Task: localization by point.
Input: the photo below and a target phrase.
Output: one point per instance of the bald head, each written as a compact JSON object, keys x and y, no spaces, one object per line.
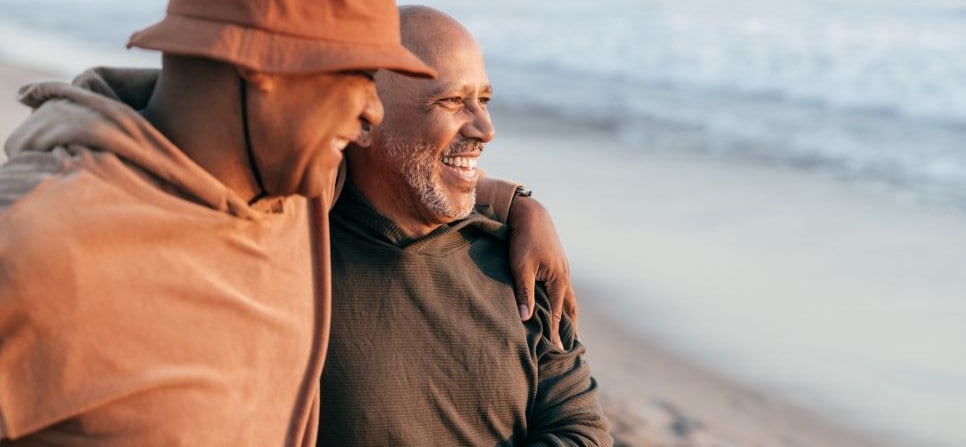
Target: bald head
{"x":429,"y":33}
{"x":434,"y":37}
{"x":420,"y":170}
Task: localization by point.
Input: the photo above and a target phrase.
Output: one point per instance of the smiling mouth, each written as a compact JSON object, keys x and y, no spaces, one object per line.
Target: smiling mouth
{"x":460,"y":162}
{"x":340,"y":144}
{"x":462,"y":167}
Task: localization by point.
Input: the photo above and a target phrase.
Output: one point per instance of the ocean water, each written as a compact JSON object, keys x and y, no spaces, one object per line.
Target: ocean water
{"x":871,"y":91}
{"x":863,"y":89}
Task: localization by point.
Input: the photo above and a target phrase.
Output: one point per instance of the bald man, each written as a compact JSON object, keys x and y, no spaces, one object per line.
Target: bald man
{"x":426,"y":346}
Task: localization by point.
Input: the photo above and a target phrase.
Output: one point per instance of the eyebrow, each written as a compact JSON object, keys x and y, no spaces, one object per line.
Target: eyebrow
{"x":447,"y":90}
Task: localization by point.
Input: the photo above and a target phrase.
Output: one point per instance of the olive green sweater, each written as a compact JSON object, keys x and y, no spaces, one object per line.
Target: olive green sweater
{"x":427,"y":347}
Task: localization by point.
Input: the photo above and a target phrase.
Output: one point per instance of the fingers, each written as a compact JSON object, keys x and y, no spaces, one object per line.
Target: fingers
{"x":557,"y":291}
{"x":555,"y":335}
{"x":570,"y":308}
{"x":525,"y":282}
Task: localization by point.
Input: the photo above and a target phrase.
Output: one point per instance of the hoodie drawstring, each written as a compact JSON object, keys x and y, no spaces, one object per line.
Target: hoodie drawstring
{"x":248,"y":143}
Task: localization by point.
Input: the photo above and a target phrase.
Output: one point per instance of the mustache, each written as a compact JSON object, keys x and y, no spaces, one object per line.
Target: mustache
{"x":464,"y":146}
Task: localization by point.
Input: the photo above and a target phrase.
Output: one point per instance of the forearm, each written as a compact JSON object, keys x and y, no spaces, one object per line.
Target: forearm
{"x":499,"y":194}
{"x":536,"y":254}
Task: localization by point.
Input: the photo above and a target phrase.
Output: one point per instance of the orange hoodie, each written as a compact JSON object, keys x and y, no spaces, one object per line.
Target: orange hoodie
{"x":142,"y":302}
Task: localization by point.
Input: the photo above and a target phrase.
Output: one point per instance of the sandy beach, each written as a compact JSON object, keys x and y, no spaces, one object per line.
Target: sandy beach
{"x":653,"y":396}
{"x":823,"y":277}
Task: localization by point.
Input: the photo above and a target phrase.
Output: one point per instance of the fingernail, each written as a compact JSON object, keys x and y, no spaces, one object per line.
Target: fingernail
{"x":524,"y":312}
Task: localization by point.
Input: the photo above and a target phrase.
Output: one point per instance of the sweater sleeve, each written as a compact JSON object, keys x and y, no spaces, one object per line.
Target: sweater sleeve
{"x":566,"y":410}
{"x":496,"y":193}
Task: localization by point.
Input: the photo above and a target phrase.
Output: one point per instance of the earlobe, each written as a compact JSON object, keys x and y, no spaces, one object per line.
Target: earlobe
{"x":364,"y":139}
{"x":262,"y":81}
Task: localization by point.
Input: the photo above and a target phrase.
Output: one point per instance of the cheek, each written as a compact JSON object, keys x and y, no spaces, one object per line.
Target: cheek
{"x":329,"y":108}
{"x":352,"y":100}
{"x":437,"y":133}
{"x":433,"y":125}
{"x":444,"y":130}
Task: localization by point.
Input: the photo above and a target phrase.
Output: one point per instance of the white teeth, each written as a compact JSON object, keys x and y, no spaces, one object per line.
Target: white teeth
{"x":460,"y":162}
{"x":340,"y":143}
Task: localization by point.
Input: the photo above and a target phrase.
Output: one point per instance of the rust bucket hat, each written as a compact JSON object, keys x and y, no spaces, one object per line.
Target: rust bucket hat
{"x":286,"y":36}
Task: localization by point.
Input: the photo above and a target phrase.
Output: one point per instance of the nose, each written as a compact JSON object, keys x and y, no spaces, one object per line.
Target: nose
{"x":479,"y":127}
{"x":372,"y":111}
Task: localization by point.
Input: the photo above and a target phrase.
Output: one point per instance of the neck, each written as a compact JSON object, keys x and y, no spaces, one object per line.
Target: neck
{"x":197,"y":105}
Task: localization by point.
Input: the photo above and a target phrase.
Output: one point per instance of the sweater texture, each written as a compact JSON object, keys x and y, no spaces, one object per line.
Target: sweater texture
{"x":427,"y":347}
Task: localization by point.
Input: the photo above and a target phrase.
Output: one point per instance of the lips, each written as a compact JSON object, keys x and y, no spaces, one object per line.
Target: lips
{"x":462,"y":167}
{"x":460,"y":162}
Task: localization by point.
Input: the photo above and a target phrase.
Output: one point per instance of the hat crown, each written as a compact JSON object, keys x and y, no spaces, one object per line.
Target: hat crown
{"x":286,"y":36}
{"x":350,"y":21}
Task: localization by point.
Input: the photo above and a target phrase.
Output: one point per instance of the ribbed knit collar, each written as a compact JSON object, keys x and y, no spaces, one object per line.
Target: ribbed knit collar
{"x":355,"y":211}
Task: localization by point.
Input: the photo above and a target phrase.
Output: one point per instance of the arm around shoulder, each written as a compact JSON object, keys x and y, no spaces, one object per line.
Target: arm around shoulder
{"x":536,"y":253}
{"x":498,"y":194}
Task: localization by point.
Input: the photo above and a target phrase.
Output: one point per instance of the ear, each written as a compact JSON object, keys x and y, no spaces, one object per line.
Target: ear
{"x":260,"y":80}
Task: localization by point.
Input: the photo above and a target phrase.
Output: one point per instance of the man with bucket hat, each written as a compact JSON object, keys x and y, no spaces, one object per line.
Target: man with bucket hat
{"x":163,"y":278}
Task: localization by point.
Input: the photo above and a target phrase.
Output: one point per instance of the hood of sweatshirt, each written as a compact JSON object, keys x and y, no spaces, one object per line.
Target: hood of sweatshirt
{"x":98,"y":112}
{"x":136,"y":288}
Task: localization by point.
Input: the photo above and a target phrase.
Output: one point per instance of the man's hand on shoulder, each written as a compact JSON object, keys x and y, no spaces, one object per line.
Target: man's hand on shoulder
{"x":536,"y":254}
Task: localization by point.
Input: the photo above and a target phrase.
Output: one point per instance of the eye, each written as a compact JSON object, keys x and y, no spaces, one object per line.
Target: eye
{"x":452,"y":102}
{"x":485,"y":100}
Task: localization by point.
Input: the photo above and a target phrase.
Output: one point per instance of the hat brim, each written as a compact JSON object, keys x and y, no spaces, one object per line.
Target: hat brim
{"x":272,"y":52}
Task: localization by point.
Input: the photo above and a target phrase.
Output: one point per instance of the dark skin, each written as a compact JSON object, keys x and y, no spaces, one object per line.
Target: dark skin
{"x":191,"y":90}
{"x":553,"y":271}
{"x":438,"y":114}
{"x":298,"y":124}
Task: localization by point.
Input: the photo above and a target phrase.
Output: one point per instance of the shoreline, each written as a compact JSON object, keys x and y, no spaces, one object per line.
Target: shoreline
{"x":652,"y":396}
{"x":816,"y":294}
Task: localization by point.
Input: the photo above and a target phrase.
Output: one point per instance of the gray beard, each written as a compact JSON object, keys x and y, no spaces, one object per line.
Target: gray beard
{"x":418,"y":166}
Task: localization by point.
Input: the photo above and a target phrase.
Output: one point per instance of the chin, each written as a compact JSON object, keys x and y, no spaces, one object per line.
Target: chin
{"x":320,"y":183}
{"x":463,"y":206}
